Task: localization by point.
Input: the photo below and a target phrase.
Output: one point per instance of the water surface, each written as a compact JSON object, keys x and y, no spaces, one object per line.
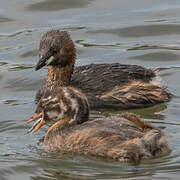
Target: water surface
{"x":138,"y":32}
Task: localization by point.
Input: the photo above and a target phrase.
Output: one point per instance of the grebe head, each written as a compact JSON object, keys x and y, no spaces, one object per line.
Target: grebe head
{"x":56,"y":49}
{"x":64,"y":106}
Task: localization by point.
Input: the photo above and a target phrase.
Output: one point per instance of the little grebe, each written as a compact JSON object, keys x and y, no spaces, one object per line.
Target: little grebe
{"x":120,"y":137}
{"x":105,"y":85}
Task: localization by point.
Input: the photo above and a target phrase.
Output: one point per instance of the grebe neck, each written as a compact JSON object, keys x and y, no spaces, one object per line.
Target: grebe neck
{"x":59,"y":76}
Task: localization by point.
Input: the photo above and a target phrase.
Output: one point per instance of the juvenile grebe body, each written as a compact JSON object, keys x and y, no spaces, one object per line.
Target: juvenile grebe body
{"x":105,"y":85}
{"x":120,"y":137}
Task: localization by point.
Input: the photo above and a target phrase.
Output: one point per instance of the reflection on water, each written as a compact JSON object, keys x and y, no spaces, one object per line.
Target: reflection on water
{"x":3,"y":63}
{"x":55,"y":5}
{"x":14,"y":34}
{"x":158,"y":56}
{"x":18,"y":67}
{"x":9,"y":101}
{"x":144,"y":30}
{"x":4,"y":19}
{"x":147,"y":113}
{"x":86,"y":44}
{"x":23,"y":84}
{"x":131,"y":32}
{"x":146,"y":47}
{"x":31,"y":53}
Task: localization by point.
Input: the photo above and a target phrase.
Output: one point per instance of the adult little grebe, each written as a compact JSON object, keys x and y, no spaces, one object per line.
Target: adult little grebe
{"x":120,"y":137}
{"x":105,"y":85}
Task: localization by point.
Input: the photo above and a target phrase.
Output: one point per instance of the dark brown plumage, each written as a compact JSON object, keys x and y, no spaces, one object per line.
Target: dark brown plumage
{"x":105,"y":85}
{"x":120,"y":137}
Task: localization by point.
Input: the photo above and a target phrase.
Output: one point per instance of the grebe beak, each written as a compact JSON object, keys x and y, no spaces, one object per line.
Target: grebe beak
{"x":41,"y":63}
{"x":44,"y":61}
{"x":39,"y":122}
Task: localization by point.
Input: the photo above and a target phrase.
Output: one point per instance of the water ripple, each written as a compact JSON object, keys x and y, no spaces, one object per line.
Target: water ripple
{"x":56,"y":5}
{"x":147,"y":47}
{"x":26,"y":31}
{"x":19,"y":67}
{"x":143,"y":30}
{"x":86,"y":44}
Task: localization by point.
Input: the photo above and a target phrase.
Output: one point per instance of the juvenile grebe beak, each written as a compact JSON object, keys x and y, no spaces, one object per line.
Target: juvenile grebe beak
{"x":44,"y":61}
{"x":39,"y":122}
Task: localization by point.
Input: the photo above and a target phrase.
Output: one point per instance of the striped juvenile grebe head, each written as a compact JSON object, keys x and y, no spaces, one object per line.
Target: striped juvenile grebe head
{"x":65,"y":104}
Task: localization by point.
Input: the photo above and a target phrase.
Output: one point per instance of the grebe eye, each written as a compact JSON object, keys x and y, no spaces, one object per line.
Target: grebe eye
{"x":53,"y":51}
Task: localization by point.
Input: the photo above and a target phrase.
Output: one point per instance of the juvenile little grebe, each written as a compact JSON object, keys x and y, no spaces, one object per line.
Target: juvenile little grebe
{"x":120,"y":137}
{"x":105,"y":85}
